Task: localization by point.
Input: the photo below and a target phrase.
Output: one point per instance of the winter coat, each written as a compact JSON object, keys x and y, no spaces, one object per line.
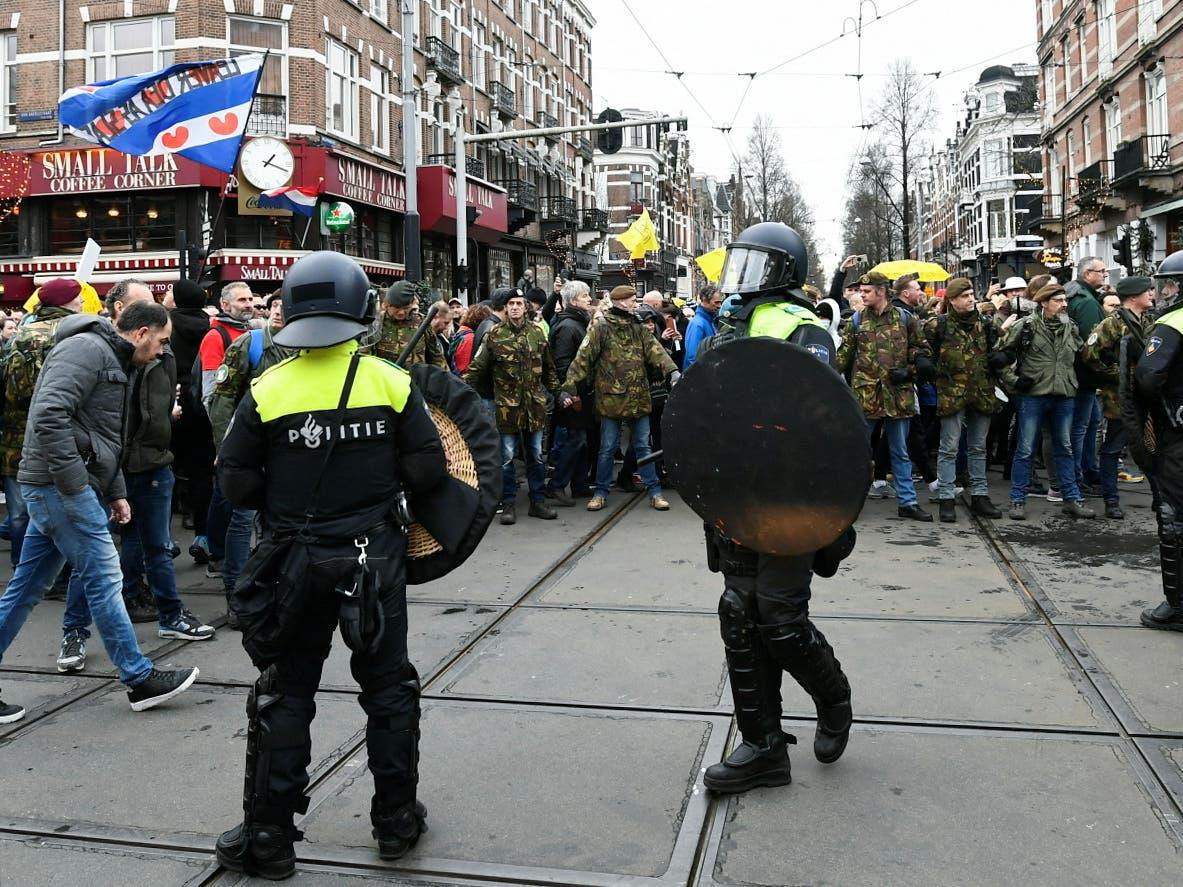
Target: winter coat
{"x":397,"y":333}
{"x":1084,"y":307}
{"x":151,"y":425}
{"x":567,"y":332}
{"x":78,"y":418}
{"x":873,"y":345}
{"x":1101,"y":353}
{"x":702,"y":327}
{"x":619,"y":355}
{"x":961,"y":344}
{"x":1044,"y":351}
{"x":517,"y":364}
{"x":189,"y":328}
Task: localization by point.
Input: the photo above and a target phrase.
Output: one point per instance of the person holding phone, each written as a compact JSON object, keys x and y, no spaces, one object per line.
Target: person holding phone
{"x":703,"y":325}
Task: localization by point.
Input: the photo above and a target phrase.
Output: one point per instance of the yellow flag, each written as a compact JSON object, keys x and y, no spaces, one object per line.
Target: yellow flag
{"x":640,"y":238}
{"x":712,"y":263}
{"x":91,"y":303}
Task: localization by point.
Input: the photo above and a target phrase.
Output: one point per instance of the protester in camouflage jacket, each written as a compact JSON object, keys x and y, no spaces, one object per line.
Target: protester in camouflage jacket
{"x":884,"y":353}
{"x":962,"y":343}
{"x":236,"y":372}
{"x":400,"y":319}
{"x":1101,"y":354}
{"x":515,"y":361}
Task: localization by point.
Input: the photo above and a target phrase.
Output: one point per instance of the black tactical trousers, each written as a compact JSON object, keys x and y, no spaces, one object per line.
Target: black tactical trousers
{"x":766,"y":629}
{"x":389,"y":689}
{"x":1166,"y":485}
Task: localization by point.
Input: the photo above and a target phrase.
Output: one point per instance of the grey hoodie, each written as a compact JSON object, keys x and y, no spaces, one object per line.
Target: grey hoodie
{"x":78,"y":417}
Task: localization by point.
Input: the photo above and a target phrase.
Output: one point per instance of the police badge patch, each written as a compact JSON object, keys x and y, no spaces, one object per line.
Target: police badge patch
{"x":1153,"y":345}
{"x":1092,"y":339}
{"x":821,"y":352}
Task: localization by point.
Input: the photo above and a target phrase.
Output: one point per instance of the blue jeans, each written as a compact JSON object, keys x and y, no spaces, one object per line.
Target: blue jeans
{"x":218,"y":522}
{"x":1115,"y":441}
{"x":976,"y":427}
{"x":570,"y":460}
{"x":73,"y":528}
{"x":896,"y":432}
{"x":535,"y":473}
{"x":1057,"y":413}
{"x":18,"y":516}
{"x":147,"y":550}
{"x":1086,"y":419}
{"x":238,"y":545}
{"x":610,"y":432}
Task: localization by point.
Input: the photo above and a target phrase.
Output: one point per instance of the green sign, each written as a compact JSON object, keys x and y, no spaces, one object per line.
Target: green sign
{"x":338,"y":217}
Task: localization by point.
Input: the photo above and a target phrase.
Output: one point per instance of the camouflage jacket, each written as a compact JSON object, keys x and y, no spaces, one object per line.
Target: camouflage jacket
{"x":519,"y":365}
{"x":619,"y":355}
{"x":872,"y":345}
{"x":234,"y":377}
{"x":22,"y":364}
{"x":1100,"y":353}
{"x":397,"y":333}
{"x":960,"y":345}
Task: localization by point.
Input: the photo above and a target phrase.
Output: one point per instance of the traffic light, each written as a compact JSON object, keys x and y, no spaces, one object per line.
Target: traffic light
{"x":609,"y":141}
{"x":1123,"y":254}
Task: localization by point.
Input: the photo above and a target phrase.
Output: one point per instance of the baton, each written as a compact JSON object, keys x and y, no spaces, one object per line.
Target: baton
{"x":410,"y":346}
{"x":651,"y":458}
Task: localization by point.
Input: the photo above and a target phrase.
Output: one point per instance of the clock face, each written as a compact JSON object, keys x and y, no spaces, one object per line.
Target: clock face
{"x":267,"y":163}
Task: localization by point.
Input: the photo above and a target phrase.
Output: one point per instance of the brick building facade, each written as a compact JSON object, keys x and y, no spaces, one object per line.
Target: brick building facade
{"x":1112,"y":116}
{"x":331,"y":94}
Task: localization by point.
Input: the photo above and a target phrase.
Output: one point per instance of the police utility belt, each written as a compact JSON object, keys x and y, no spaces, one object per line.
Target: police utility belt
{"x":272,"y":593}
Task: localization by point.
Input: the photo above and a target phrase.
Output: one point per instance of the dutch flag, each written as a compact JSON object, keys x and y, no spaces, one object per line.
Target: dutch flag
{"x":196,"y":109}
{"x":297,"y":200}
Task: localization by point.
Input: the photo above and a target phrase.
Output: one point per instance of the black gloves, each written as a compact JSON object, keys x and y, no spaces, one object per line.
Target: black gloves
{"x":998,"y":360}
{"x":1024,"y":384}
{"x":926,"y":370}
{"x":899,"y":375}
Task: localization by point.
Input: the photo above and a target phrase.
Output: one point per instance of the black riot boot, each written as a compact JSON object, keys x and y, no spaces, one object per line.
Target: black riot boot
{"x":397,"y":830}
{"x":804,"y":652}
{"x":762,"y":757}
{"x":1169,"y":614}
{"x":266,"y":851}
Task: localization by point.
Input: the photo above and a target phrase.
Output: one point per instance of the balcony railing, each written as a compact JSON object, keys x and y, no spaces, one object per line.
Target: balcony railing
{"x":444,"y":60}
{"x":473,"y":166}
{"x":595,"y":220}
{"x":560,"y":209}
{"x":1093,"y":181}
{"x":546,"y":121}
{"x":520,"y":193}
{"x":1149,"y":153}
{"x":1053,"y":207}
{"x":585,"y":148}
{"x":269,"y":116}
{"x":505,"y":103}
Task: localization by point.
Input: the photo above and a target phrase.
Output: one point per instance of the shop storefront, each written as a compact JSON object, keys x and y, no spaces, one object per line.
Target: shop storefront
{"x":488,"y":223}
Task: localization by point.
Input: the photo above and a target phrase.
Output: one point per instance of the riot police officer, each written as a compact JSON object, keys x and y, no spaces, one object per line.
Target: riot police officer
{"x":324,"y":444}
{"x":764,"y":610}
{"x":1159,"y":381}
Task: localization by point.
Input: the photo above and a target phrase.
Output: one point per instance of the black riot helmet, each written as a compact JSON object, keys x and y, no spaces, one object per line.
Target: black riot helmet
{"x":1169,"y":279}
{"x":327,"y":299}
{"x":767,"y":258}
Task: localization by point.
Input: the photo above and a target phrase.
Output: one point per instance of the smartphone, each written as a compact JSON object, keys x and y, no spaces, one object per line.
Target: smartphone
{"x":671,"y":323}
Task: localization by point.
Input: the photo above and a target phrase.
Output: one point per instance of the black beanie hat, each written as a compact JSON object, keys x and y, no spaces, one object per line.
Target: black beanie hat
{"x":188,"y":295}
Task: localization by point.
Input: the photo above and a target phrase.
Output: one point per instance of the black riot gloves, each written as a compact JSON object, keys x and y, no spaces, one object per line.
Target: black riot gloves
{"x":998,"y":360}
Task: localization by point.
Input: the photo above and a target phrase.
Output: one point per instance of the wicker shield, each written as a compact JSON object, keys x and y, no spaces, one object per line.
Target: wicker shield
{"x":452,"y":519}
{"x":768,"y":445}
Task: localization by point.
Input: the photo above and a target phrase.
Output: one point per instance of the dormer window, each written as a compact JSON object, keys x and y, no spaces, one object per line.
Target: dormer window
{"x":992,"y":103}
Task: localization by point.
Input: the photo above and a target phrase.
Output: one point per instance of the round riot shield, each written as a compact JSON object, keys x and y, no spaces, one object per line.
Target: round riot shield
{"x":451,"y":519}
{"x":768,"y":445}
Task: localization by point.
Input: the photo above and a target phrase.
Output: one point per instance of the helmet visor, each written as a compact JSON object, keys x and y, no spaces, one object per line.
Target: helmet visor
{"x":1166,"y":293}
{"x":748,"y":270}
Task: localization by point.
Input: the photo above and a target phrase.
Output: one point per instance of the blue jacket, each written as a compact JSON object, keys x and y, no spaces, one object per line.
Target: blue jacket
{"x":701,"y":328}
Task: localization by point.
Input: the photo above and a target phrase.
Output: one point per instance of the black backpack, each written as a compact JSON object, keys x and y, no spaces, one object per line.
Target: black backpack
{"x":195,"y":387}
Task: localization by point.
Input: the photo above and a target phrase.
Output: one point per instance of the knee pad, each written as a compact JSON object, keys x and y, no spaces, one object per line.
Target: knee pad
{"x":1169,"y":530}
{"x":736,"y":617}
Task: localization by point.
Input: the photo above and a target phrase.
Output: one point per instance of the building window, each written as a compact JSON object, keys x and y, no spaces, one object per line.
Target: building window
{"x":991,"y":103}
{"x":1046,"y":9}
{"x":478,"y":48}
{"x":8,"y":78}
{"x":117,"y":222}
{"x":342,"y":89}
{"x":262,"y":232}
{"x":124,"y":47}
{"x":1106,"y":44}
{"x":10,"y":231}
{"x":1049,"y":87}
{"x":997,"y":158}
{"x":269,"y":113}
{"x":998,"y":220}
{"x":1086,"y":139}
{"x":1070,"y":152}
{"x":1066,"y":52}
{"x":1156,"y":102}
{"x":380,"y":109}
{"x":378,"y":11}
{"x":1112,"y":111}
{"x":1082,"y":45}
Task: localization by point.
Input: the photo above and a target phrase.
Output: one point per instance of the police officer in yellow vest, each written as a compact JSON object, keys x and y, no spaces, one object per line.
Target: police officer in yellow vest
{"x":324,"y":445}
{"x":764,"y":610}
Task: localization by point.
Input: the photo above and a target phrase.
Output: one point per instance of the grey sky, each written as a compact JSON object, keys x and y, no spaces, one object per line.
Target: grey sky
{"x":812,"y":101}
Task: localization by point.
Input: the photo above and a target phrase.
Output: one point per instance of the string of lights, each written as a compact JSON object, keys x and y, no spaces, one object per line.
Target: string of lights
{"x":14,"y":182}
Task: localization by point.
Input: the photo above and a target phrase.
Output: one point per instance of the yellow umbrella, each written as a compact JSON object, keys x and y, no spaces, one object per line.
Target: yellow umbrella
{"x":712,"y":263}
{"x":926,"y":271}
{"x":91,"y":303}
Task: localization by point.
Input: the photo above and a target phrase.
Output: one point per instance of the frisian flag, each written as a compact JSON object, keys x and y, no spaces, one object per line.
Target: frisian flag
{"x":196,"y":109}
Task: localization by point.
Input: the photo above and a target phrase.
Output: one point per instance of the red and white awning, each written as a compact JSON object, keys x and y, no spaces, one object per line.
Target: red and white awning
{"x":111,"y":262}
{"x":265,"y":264}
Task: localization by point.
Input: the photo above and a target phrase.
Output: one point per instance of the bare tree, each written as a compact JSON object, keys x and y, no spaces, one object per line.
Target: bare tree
{"x":903,"y":114}
{"x":769,"y":191}
{"x":872,"y":225}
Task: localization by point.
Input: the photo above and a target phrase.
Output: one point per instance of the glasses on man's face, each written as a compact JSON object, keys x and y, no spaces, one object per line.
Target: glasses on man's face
{"x":1095,"y":271}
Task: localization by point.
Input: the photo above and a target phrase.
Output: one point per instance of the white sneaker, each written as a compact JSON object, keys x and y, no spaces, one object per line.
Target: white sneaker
{"x":934,"y":491}
{"x":1054,"y":496}
{"x":880,"y":490}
